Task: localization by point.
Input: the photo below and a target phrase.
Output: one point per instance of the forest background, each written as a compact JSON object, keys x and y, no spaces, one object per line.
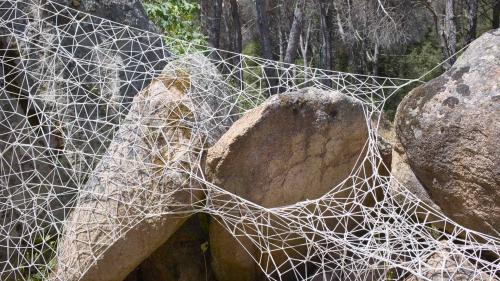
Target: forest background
{"x":392,"y":38}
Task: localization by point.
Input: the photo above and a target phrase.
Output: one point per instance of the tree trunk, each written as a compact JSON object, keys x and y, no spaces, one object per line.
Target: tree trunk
{"x":304,"y":44}
{"x":283,"y":29}
{"x":472,"y":19}
{"x":235,"y":14}
{"x":326,"y":34}
{"x":265,"y":44}
{"x":206,"y":11}
{"x":211,"y":14}
{"x":295,"y":31}
{"x":495,"y":22}
{"x":237,"y":42}
{"x":375,"y":65}
{"x":340,"y":27}
{"x":445,"y":28}
{"x":217,"y":22}
{"x":450,"y":33}
{"x":263,"y":22}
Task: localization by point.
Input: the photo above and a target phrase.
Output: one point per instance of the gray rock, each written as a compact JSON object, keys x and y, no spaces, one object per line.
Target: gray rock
{"x":129,"y":12}
{"x":93,"y":78}
{"x":449,"y":129}
{"x":57,"y":132}
{"x":30,"y":177}
{"x":445,"y":264}
{"x":295,"y":146}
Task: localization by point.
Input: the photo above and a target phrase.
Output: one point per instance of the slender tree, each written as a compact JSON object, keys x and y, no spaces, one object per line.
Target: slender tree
{"x":265,"y":43}
{"x":237,"y":40}
{"x":283,"y":29}
{"x":263,"y":22}
{"x":338,"y":20}
{"x":216,"y":26}
{"x":495,"y":22}
{"x":444,"y":21}
{"x":295,"y":31}
{"x":206,"y":10}
{"x":472,"y":6}
{"x":450,"y":32}
{"x":235,"y":14}
{"x":304,"y":44}
{"x":326,"y":28}
{"x":211,"y":15}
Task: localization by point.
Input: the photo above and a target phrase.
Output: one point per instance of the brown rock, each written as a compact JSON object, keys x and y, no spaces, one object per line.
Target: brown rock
{"x":295,"y":146}
{"x":122,"y":215}
{"x":123,"y":191}
{"x":305,"y":138}
{"x":449,"y":129}
{"x":405,"y":177}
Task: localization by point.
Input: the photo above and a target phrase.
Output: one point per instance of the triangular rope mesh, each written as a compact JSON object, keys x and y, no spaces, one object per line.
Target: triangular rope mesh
{"x":90,"y":143}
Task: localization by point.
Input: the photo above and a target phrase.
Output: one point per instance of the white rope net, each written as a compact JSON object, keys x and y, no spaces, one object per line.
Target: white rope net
{"x":103,"y":128}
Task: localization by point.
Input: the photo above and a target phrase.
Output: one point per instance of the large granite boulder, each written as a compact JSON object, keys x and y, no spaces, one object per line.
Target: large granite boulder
{"x":129,"y":12}
{"x":405,"y":178}
{"x":30,"y":176}
{"x":66,"y":83}
{"x":124,"y":213}
{"x":83,"y":71}
{"x":449,"y":129}
{"x":296,"y":146}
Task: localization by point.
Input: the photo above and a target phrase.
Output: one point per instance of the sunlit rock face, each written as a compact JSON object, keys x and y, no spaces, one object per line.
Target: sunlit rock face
{"x":294,"y":147}
{"x":125,"y":211}
{"x":449,"y":130}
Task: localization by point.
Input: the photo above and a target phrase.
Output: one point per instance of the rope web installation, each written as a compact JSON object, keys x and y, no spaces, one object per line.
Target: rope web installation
{"x":103,"y":129}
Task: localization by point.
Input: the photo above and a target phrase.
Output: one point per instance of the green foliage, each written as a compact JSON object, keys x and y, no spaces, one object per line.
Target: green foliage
{"x":421,"y":59}
{"x":252,"y":48}
{"x":177,"y":19}
{"x":204,"y":247}
{"x":390,"y":275}
{"x":415,"y":62}
{"x":42,"y":257}
{"x":252,"y":76}
{"x":44,"y":275}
